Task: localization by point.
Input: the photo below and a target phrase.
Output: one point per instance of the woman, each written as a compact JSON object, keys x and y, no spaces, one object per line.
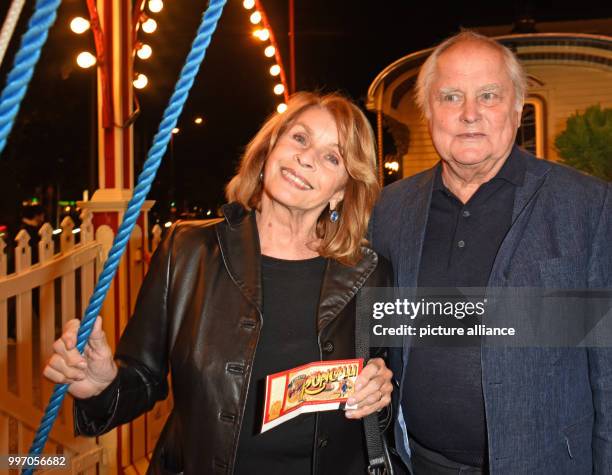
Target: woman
{"x":269,"y":287}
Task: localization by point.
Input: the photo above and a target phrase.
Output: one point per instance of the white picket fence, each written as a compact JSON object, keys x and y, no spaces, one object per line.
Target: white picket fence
{"x":35,"y":301}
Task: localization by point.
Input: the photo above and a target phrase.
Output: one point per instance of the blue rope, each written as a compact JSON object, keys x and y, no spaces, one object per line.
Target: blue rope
{"x":160,"y":143}
{"x":26,"y":58}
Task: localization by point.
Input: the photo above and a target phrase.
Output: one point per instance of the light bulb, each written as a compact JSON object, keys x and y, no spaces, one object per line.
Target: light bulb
{"x":144,"y":52}
{"x":264,"y":34}
{"x":79,"y":25}
{"x":149,"y":26}
{"x":141,"y":81}
{"x":156,"y":6}
{"x":269,"y":51}
{"x":86,"y":60}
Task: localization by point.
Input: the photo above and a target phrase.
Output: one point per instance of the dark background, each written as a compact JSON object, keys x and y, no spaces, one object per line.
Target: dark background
{"x":341,"y":45}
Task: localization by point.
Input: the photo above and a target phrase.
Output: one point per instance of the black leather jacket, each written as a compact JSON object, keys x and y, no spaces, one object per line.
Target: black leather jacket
{"x":199,"y":313}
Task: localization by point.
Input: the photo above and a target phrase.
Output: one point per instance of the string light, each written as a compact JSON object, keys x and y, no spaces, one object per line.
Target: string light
{"x":263,"y":34}
{"x":79,"y":25}
{"x":156,"y":6}
{"x":144,"y":52}
{"x":86,"y":60}
{"x":176,"y":130}
{"x":141,"y":81}
{"x":149,"y":26}
{"x":198,"y":120}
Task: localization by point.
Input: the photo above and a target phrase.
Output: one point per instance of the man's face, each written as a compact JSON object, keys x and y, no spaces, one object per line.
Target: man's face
{"x":473,"y":115}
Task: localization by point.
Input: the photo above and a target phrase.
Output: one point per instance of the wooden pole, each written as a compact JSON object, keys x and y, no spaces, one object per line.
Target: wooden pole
{"x":292,"y":43}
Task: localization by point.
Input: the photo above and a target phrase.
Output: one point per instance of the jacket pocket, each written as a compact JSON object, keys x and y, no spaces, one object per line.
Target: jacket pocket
{"x":577,"y":436}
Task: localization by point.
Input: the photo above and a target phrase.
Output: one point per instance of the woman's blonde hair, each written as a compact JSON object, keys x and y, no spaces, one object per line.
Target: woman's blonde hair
{"x":343,"y":239}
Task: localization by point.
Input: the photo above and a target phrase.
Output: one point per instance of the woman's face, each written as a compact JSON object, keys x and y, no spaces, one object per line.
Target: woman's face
{"x":305,"y":170}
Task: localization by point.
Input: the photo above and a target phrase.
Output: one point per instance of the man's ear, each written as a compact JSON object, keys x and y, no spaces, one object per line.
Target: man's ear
{"x":519,"y":115}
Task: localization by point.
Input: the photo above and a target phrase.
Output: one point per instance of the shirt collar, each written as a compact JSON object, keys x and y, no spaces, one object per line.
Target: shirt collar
{"x":513,"y":171}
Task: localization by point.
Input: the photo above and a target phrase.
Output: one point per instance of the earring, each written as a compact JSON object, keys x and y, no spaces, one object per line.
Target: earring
{"x":261,"y":175}
{"x":333,"y":215}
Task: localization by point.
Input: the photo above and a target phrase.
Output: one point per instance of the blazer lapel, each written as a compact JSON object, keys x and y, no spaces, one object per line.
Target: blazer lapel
{"x":526,"y":195}
{"x":414,"y":222}
{"x":239,"y":244}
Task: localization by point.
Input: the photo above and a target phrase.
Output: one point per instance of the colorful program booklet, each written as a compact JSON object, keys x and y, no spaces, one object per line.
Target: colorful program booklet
{"x":319,"y":386}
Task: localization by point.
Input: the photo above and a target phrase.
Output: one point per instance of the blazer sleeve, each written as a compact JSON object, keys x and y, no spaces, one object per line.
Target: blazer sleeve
{"x":600,"y":354}
{"x":142,"y":355}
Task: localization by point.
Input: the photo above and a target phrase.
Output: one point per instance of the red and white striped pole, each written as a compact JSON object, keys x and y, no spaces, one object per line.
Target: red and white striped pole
{"x":114,"y":30}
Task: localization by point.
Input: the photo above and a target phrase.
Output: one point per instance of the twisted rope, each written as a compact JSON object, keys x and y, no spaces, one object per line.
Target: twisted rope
{"x":160,"y":143}
{"x":25,"y":61}
{"x":8,"y":27}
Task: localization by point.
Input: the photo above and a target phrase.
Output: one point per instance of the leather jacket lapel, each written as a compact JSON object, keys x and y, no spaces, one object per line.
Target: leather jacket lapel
{"x":239,"y":244}
{"x":340,"y":284}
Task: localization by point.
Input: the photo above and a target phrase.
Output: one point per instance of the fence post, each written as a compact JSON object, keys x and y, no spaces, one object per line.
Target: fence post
{"x":47,"y":307}
{"x":157,"y":235}
{"x":4,"y":420}
{"x":23,"y":325}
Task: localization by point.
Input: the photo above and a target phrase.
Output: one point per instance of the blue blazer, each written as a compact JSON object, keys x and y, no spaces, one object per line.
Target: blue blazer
{"x":548,"y":410}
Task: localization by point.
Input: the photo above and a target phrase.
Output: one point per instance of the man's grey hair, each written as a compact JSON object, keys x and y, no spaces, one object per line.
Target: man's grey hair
{"x":426,"y":74}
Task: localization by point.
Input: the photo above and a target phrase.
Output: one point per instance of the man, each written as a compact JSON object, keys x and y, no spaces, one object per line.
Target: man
{"x":491,"y":215}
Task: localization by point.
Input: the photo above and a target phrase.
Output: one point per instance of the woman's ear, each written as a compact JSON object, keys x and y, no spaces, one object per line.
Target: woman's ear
{"x":336,"y":199}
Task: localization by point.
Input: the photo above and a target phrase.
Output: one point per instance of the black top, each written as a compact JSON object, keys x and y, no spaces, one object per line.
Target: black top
{"x":291,"y":291}
{"x":443,"y":401}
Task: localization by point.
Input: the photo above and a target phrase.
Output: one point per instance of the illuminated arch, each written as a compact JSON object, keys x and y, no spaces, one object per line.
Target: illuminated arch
{"x":263,"y":31}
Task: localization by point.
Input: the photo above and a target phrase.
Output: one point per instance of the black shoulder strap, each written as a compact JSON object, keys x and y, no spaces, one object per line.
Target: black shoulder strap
{"x":376,"y":458}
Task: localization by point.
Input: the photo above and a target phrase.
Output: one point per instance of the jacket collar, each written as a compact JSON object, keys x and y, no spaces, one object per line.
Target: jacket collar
{"x":418,"y":201}
{"x":536,"y":171}
{"x":526,"y":195}
{"x":341,"y":283}
{"x":239,"y":243}
{"x":414,"y":222}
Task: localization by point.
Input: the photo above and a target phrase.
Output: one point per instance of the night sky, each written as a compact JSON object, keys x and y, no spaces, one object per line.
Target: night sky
{"x":341,"y":45}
